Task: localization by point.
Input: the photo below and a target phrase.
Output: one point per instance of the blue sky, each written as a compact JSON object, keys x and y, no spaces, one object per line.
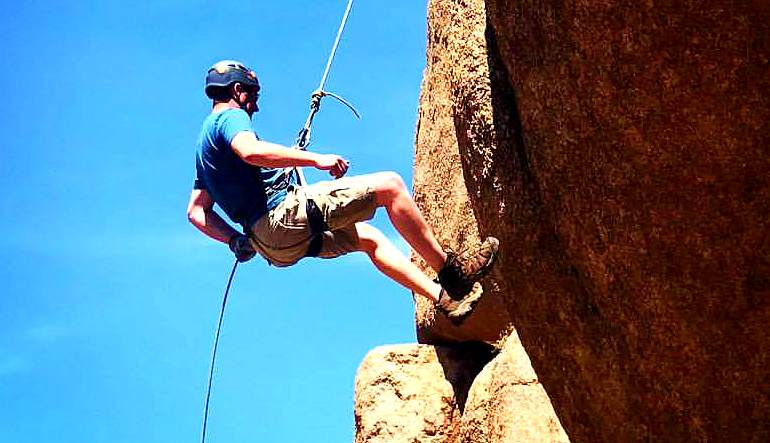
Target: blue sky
{"x":109,"y":297}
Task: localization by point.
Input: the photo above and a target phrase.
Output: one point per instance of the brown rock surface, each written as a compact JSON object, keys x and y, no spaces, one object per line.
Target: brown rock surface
{"x":414,"y":393}
{"x":620,"y":152}
{"x":456,"y":67}
{"x":507,"y":403}
{"x":432,"y":394}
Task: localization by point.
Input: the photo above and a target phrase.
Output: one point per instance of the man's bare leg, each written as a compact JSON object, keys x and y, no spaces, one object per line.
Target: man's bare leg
{"x":392,"y":194}
{"x":391,"y":262}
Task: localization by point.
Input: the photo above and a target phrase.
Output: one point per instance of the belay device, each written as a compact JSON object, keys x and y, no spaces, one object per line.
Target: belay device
{"x":303,"y":138}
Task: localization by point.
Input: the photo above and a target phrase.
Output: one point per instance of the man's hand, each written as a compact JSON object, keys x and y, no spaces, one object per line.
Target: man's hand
{"x":241,"y":247}
{"x":336,"y":165}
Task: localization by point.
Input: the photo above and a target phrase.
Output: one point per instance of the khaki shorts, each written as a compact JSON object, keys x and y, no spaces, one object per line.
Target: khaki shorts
{"x":283,"y":235}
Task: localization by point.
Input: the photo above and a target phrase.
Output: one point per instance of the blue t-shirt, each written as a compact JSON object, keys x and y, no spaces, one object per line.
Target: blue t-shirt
{"x":244,"y":192}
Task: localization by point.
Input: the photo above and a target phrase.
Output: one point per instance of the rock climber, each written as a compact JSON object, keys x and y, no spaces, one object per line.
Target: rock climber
{"x":254,"y":183}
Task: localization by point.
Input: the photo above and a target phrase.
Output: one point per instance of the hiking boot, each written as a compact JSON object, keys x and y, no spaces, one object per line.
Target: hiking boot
{"x":457,"y":310}
{"x":463,"y":269}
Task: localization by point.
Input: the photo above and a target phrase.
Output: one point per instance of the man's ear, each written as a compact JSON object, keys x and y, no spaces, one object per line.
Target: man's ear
{"x":236,"y":88}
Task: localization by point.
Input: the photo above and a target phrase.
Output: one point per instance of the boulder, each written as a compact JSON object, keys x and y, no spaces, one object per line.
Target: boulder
{"x":507,"y":403}
{"x":414,"y":393}
{"x":619,"y":150}
{"x":452,"y":394}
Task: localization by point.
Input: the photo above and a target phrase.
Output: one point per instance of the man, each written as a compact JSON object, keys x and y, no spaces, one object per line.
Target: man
{"x":253,"y":182}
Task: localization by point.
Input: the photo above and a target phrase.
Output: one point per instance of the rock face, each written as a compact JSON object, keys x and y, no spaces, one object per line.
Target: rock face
{"x":619,"y":150}
{"x":439,"y":394}
{"x":457,"y":71}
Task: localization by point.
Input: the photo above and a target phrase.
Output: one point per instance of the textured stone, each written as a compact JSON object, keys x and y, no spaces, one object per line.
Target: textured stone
{"x":414,"y":393}
{"x":642,"y":269}
{"x":457,"y":69}
{"x":437,"y":394}
{"x":507,"y":403}
{"x":619,"y":150}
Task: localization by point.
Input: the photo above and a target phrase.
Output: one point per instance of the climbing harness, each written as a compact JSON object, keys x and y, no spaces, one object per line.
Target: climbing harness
{"x":315,"y":217}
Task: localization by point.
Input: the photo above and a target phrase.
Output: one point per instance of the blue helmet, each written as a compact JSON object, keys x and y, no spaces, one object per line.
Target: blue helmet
{"x":226,"y":72}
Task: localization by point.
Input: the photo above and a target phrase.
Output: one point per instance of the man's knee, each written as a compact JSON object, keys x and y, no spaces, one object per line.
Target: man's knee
{"x":369,"y":237}
{"x":389,"y":185}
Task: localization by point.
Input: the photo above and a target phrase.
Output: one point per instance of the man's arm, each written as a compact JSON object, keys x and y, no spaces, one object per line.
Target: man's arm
{"x":200,"y":212}
{"x":270,"y":155}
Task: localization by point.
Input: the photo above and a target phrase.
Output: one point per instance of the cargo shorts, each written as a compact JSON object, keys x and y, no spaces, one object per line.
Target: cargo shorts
{"x":283,"y":235}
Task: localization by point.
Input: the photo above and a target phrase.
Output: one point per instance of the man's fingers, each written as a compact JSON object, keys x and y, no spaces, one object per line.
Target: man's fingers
{"x":344,"y":164}
{"x":339,"y":168}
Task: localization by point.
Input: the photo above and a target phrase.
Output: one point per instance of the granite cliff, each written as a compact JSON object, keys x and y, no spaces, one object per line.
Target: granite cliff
{"x":619,"y":150}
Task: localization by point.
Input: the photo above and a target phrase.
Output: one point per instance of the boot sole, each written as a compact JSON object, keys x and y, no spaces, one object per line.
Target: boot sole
{"x":466,"y":308}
